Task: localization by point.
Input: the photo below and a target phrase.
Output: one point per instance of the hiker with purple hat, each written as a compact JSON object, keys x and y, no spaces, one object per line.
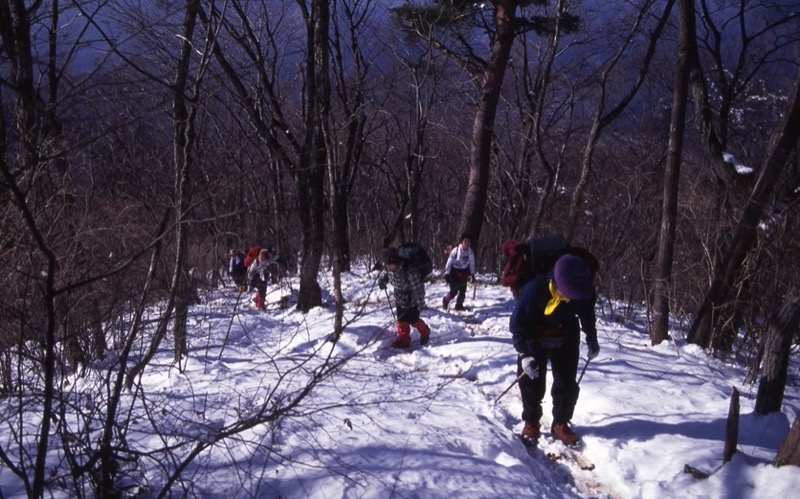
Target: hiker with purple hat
{"x":545,"y":325}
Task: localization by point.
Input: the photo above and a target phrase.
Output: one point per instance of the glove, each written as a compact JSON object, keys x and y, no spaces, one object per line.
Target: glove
{"x":472,"y":279}
{"x":382,"y":282}
{"x":529,"y":367}
{"x":594,"y":349}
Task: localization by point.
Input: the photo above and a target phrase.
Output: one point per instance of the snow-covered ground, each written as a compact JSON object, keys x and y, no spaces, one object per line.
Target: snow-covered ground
{"x":427,"y":423}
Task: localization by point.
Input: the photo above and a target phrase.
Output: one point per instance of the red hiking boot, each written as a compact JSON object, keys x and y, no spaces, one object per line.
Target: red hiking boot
{"x":403,"y":335}
{"x":530,"y":433}
{"x":565,"y":434}
{"x":424,"y":332}
{"x":260,"y":305}
{"x":402,"y":342}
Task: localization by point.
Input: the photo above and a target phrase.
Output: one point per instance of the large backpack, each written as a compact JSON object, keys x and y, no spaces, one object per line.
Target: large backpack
{"x":251,"y":255}
{"x":516,"y":264}
{"x":524,"y":261}
{"x":545,"y":251}
{"x":416,"y":259}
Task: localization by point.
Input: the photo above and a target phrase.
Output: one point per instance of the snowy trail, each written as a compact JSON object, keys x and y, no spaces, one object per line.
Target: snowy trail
{"x":424,"y":423}
{"x":473,"y":349}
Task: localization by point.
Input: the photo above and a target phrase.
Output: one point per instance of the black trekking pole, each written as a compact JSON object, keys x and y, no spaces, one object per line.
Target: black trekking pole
{"x":389,"y":302}
{"x":510,"y":387}
{"x":230,"y":324}
{"x":588,"y":359}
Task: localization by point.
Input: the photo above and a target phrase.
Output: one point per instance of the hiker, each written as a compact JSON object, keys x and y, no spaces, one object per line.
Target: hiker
{"x":459,"y":271}
{"x":258,"y":277}
{"x":237,"y":269}
{"x":409,"y":298}
{"x":516,"y":266}
{"x":545,"y":326}
{"x":273,"y":266}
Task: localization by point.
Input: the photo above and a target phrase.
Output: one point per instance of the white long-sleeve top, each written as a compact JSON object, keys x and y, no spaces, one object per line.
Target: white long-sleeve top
{"x":460,"y":258}
{"x":259,"y":269}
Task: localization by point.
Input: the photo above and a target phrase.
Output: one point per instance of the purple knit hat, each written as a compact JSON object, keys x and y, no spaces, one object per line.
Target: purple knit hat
{"x":573,"y":277}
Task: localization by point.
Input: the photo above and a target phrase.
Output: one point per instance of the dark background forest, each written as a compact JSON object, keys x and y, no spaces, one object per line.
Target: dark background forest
{"x":141,"y":140}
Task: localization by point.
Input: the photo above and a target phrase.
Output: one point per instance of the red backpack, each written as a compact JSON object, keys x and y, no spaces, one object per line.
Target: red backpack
{"x":517,"y":264}
{"x":251,"y":255}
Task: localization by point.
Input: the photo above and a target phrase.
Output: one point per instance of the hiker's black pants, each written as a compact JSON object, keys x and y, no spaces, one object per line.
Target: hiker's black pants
{"x":564,"y":363}
{"x":458,"y":281}
{"x":260,"y":285}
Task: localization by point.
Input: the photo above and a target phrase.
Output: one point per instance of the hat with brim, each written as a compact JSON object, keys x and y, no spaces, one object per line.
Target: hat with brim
{"x":573,"y":278}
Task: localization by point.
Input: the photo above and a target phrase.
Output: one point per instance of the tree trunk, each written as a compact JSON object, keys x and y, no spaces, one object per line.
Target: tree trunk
{"x":183,"y":130}
{"x":687,"y":55}
{"x":789,"y":453}
{"x":15,"y":31}
{"x":778,"y":344}
{"x":483,"y":126}
{"x":311,"y":174}
{"x":744,"y":237}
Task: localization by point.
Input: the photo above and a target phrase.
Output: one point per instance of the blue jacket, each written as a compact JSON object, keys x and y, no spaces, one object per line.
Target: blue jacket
{"x":529,"y":314}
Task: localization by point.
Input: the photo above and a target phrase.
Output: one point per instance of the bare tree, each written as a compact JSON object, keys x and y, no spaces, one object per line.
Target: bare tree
{"x":351,"y":70}
{"x":782,"y":147}
{"x":32,"y":165}
{"x":687,"y":59}
{"x":502,"y":33}
{"x":604,"y":116}
{"x":415,"y":87}
{"x":485,"y":115}
{"x":295,"y":145}
{"x":740,"y":44}
{"x":183,"y":115}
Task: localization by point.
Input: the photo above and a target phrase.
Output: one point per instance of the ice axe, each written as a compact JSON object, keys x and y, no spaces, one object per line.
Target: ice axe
{"x":510,"y":387}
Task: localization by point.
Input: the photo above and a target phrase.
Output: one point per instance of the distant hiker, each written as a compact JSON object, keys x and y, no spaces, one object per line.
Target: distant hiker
{"x":237,"y":270}
{"x":409,"y":298}
{"x":458,"y":271}
{"x":517,"y":268}
{"x":258,"y":277}
{"x":273,"y":266}
{"x":251,"y":255}
{"x":545,"y":326}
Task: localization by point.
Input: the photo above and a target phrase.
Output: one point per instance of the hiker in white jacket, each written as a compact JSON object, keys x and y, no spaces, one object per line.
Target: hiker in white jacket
{"x":459,"y":271}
